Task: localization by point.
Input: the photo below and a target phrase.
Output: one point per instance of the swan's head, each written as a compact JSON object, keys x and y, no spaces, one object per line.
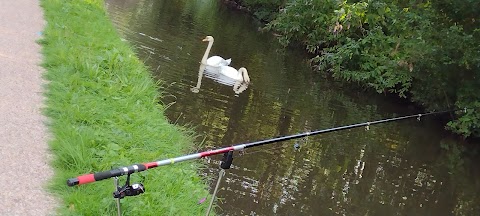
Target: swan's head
{"x":245,"y":76}
{"x":208,"y":38}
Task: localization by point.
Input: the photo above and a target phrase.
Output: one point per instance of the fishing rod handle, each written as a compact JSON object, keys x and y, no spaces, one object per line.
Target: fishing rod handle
{"x":93,"y":177}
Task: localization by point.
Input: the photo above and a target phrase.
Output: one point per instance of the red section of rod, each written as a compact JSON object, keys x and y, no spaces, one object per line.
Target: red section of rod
{"x":214,"y":152}
{"x":85,"y":179}
{"x":151,"y":165}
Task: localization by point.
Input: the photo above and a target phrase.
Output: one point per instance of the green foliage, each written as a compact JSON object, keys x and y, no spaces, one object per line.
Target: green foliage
{"x":263,"y":9}
{"x":426,"y":51}
{"x":469,"y":121}
{"x":304,"y":21}
{"x":103,"y":111}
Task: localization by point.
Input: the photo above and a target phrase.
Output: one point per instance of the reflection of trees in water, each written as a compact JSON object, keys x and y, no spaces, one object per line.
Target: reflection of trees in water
{"x":346,"y":172}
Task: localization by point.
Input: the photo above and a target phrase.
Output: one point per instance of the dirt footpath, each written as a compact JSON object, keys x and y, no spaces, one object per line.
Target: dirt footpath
{"x":24,"y":168}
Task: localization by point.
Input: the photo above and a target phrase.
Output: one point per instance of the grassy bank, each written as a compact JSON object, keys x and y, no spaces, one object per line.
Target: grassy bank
{"x":103,"y":111}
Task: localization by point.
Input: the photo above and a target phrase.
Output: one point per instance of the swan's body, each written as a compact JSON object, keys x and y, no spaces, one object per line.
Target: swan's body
{"x":241,"y":75}
{"x":215,"y":61}
{"x":218,"y":61}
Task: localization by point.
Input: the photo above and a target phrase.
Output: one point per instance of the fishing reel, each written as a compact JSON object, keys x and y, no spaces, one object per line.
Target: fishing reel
{"x":129,"y":190}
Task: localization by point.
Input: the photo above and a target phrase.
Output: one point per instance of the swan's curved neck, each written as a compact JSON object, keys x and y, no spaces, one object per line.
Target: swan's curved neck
{"x":207,"y":51}
{"x":244,"y":74}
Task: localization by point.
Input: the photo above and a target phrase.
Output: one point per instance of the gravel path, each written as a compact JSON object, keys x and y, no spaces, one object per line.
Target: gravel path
{"x":24,"y":168}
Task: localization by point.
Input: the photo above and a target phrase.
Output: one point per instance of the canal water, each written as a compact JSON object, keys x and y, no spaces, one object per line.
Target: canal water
{"x":398,"y":168}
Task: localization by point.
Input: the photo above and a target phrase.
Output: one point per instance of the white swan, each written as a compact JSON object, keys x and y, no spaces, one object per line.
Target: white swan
{"x":215,"y":61}
{"x":241,"y":75}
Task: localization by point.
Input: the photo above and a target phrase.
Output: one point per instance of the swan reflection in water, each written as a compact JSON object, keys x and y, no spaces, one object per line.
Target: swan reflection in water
{"x":239,"y":81}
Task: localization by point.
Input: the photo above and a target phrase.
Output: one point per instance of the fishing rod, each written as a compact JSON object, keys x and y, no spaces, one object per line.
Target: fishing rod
{"x":98,"y":176}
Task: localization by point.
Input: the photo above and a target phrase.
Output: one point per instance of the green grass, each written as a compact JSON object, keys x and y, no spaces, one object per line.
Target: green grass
{"x":103,"y":109}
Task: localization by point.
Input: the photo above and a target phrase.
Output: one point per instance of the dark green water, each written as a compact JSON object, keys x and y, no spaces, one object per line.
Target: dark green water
{"x":395,"y":168}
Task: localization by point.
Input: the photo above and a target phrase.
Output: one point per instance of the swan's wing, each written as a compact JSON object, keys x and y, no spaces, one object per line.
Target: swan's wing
{"x":230,"y":72}
{"x":218,"y":61}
